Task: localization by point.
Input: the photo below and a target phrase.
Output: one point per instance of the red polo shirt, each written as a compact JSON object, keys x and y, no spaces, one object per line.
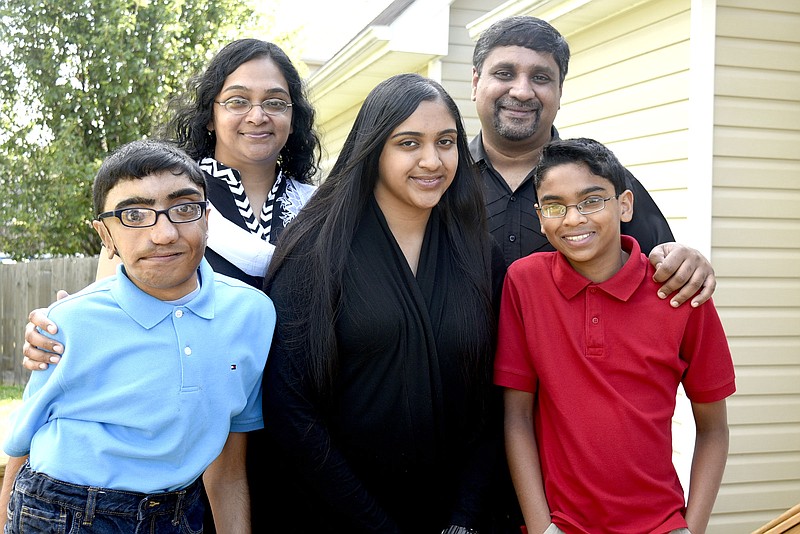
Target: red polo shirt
{"x":605,"y":361}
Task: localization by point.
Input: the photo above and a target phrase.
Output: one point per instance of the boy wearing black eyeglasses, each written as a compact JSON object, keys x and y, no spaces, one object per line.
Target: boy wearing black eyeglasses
{"x":157,"y":386}
{"x":591,"y":361}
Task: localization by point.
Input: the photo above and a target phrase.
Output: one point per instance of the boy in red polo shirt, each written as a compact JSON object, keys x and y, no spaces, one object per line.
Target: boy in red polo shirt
{"x":591,"y":360}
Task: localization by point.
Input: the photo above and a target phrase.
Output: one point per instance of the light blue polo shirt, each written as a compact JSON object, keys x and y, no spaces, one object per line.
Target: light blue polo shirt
{"x":147,"y":391}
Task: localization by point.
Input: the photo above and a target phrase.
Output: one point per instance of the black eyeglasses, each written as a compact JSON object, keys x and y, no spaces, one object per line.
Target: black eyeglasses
{"x":145,"y":217}
{"x":241,"y":106}
{"x":590,"y":205}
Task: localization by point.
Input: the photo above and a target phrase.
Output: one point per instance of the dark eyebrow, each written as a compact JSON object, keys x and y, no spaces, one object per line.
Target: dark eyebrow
{"x":134,"y":200}
{"x":504,"y":65}
{"x":272,"y":91}
{"x":185,"y":192}
{"x":420,"y":134}
{"x":588,"y":190}
{"x":591,"y":189}
{"x":507,"y":65}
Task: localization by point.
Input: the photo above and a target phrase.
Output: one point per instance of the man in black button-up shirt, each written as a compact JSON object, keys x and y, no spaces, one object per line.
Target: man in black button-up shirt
{"x":519,"y":66}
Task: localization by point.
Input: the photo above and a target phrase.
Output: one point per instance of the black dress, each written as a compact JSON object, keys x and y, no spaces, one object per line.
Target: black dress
{"x":403,"y":445}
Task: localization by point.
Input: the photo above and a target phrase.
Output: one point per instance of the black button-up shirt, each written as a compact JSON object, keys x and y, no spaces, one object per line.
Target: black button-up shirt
{"x":514,"y":224}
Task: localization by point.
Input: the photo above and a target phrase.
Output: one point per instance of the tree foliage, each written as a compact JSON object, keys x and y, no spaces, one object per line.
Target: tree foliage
{"x":79,"y":78}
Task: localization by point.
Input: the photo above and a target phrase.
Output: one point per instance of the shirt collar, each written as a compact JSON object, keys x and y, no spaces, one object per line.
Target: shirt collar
{"x":148,"y":311}
{"x":478,"y":151}
{"x":620,"y":286}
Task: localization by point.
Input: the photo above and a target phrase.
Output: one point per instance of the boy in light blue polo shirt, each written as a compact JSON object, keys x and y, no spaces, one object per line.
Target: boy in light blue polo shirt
{"x":157,"y":386}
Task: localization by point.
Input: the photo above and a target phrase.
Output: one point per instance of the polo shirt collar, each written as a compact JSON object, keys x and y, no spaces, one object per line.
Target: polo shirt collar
{"x":620,"y":286}
{"x":148,"y":311}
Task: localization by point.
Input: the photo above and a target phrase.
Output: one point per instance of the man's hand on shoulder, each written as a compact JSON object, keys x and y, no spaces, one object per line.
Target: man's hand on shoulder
{"x":683,"y":272}
{"x":39,"y":351}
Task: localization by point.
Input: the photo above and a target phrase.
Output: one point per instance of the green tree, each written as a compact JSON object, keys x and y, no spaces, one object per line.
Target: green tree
{"x":77,"y":79}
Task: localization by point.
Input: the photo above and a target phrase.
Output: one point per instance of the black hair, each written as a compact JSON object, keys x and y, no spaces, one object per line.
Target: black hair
{"x":138,"y":159}
{"x":595,"y":155}
{"x":194,"y":110}
{"x":527,"y":32}
{"x":326,"y":225}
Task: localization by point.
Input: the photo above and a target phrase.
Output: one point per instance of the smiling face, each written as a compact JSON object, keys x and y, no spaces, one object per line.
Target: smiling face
{"x":254,"y":138}
{"x":517,"y":95}
{"x":161,"y":260}
{"x":590,"y":242}
{"x":418,"y":162}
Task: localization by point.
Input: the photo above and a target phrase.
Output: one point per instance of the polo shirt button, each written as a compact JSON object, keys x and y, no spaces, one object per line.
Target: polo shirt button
{"x":512,"y":238}
{"x":178,"y":313}
{"x":595,"y":320}
{"x":512,"y":198}
{"x":187,"y":351}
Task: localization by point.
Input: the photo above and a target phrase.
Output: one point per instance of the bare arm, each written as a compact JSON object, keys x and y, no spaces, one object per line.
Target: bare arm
{"x":682,"y":269}
{"x":523,"y":459}
{"x":15,"y":463}
{"x":39,"y":350}
{"x":225,"y":481}
{"x":708,"y":464}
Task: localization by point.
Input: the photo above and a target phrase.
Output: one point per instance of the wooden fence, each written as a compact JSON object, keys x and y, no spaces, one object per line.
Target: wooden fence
{"x":30,"y":285}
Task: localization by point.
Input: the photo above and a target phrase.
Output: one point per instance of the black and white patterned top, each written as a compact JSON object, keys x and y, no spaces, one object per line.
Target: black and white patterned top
{"x":241,"y":243}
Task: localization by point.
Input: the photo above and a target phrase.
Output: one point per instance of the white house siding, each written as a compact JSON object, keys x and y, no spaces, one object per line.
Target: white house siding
{"x":628,"y":86}
{"x":756,"y":252}
{"x":332,"y":136}
{"x":456,"y":73}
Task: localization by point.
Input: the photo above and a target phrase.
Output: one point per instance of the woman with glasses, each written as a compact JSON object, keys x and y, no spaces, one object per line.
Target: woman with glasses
{"x":249,"y":124}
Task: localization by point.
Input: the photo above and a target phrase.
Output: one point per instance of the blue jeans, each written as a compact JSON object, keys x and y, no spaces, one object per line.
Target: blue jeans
{"x":45,"y":505}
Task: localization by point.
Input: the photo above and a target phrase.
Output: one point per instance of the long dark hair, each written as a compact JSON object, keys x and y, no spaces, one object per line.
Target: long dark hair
{"x":194,"y":109}
{"x":325,"y":228}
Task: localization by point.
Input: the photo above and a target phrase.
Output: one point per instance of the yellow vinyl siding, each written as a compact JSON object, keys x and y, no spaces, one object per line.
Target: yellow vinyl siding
{"x":756,"y":253}
{"x":628,"y":86}
{"x":456,"y":74}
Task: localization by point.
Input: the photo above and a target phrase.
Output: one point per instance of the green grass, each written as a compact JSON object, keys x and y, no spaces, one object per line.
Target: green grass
{"x":11,"y":393}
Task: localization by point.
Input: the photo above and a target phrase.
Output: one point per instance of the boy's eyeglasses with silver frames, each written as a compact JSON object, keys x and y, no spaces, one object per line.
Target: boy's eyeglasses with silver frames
{"x":146,"y":217}
{"x":590,"y":205}
{"x":242,"y":106}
